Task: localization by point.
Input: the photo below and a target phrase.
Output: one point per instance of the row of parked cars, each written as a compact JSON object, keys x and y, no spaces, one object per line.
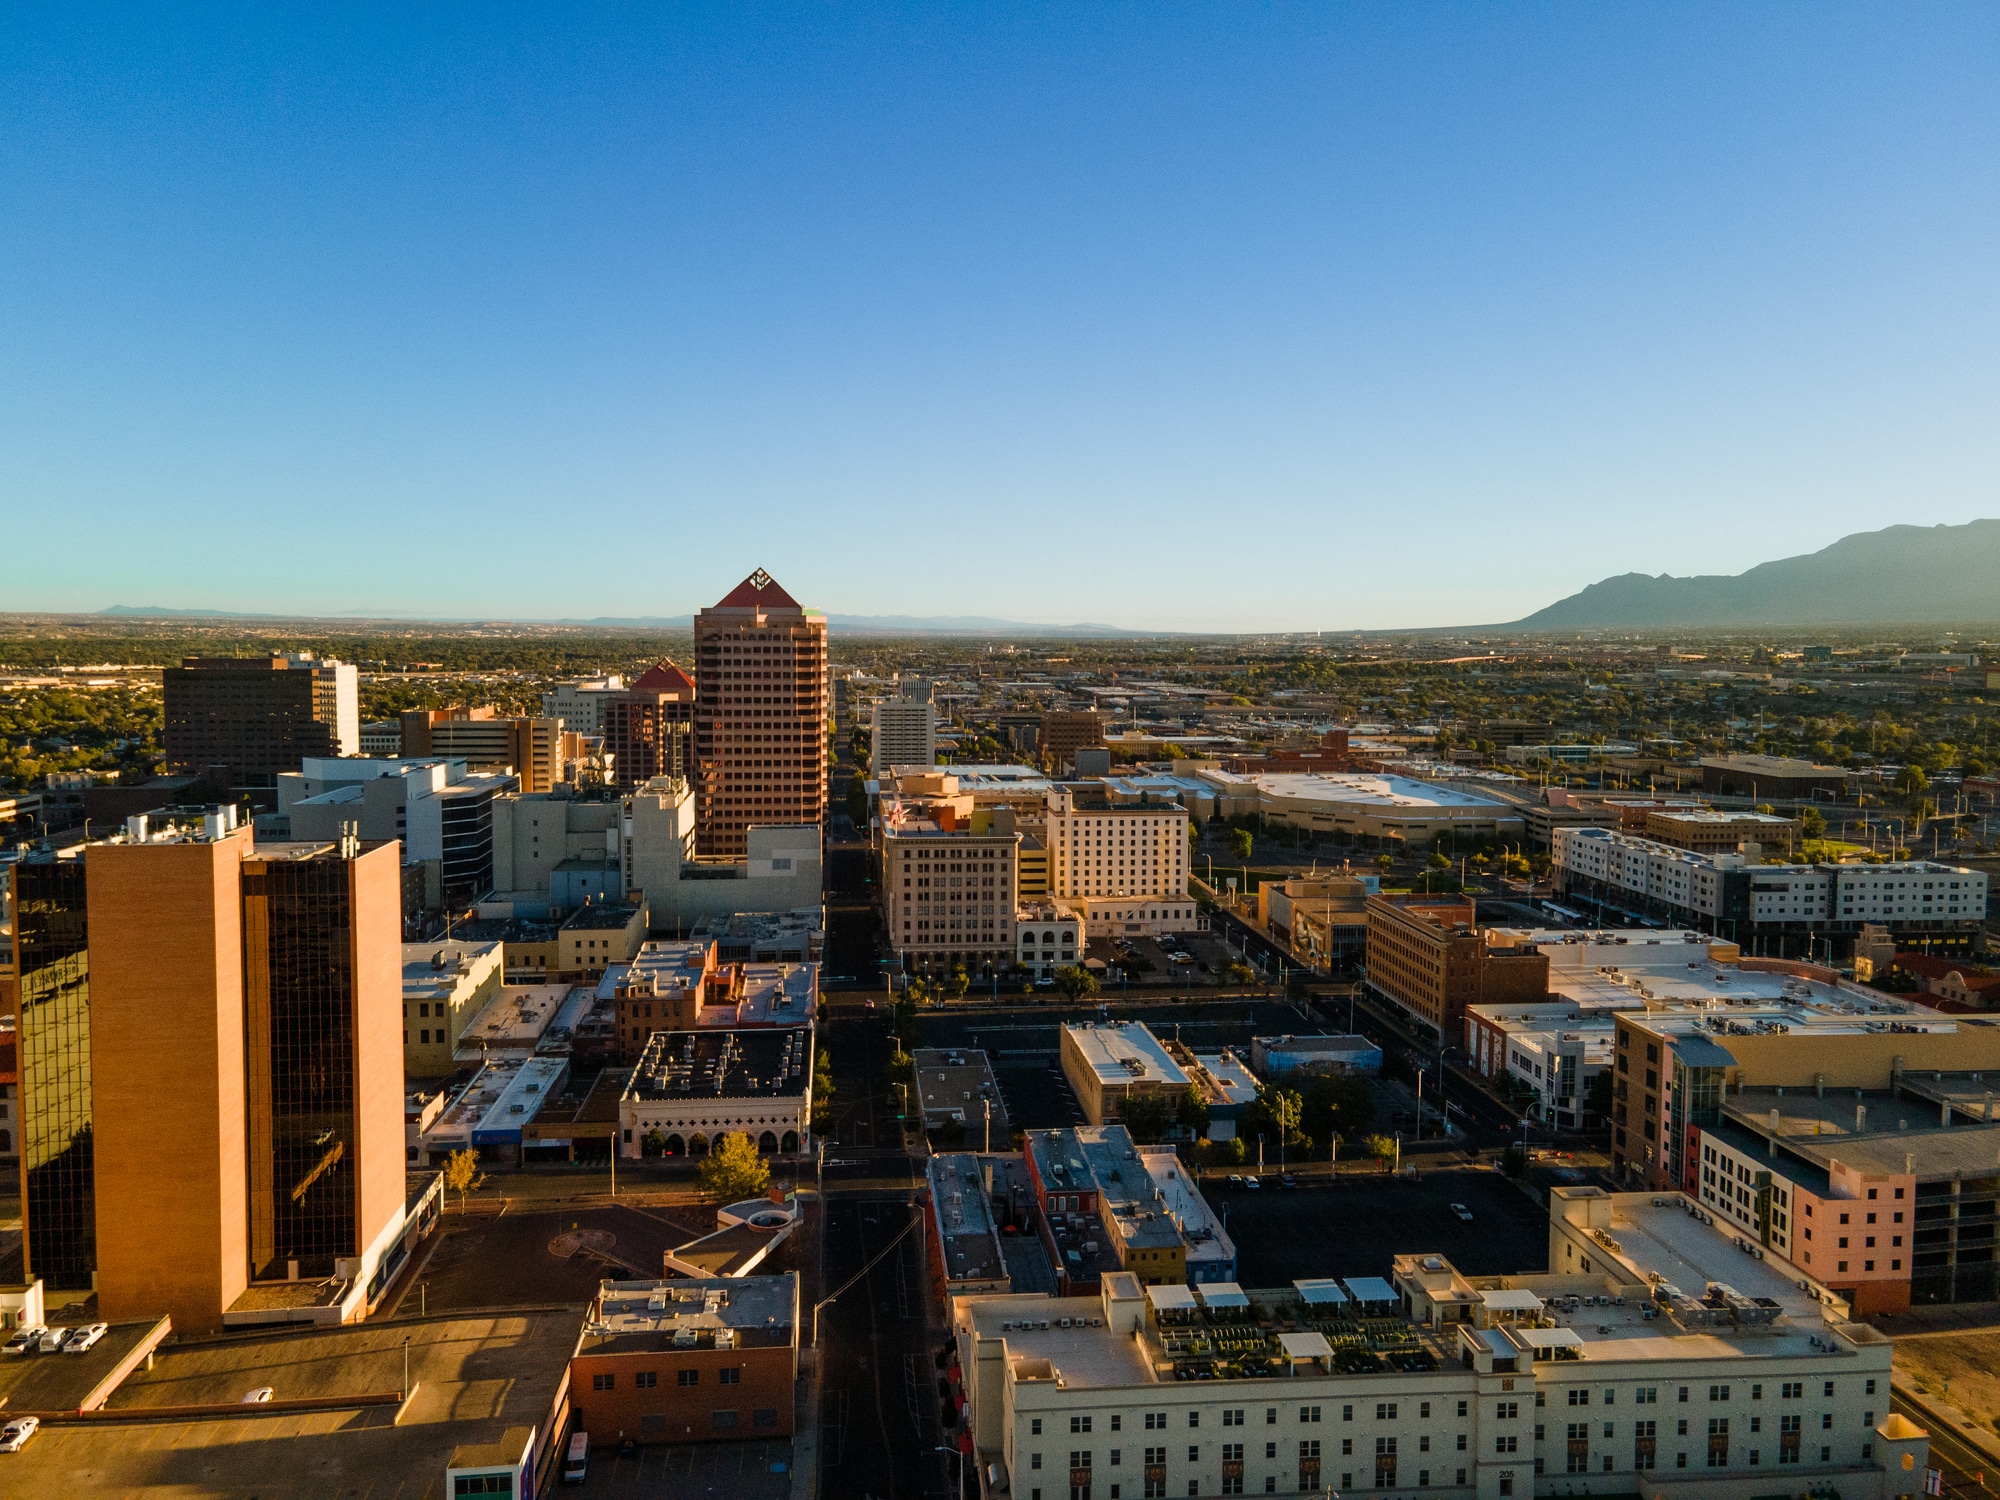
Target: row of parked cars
{"x":40,"y":1340}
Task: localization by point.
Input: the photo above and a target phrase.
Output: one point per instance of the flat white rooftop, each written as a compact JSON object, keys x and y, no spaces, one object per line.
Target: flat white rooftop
{"x":1359,"y":789}
{"x":1120,"y":1052}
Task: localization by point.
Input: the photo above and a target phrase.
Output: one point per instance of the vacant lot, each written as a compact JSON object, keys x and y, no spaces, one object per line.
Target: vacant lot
{"x":1357,"y":1225}
{"x":1969,"y":1362}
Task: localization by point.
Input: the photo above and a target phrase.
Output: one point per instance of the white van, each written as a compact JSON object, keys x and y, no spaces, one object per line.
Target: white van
{"x":578,"y":1462}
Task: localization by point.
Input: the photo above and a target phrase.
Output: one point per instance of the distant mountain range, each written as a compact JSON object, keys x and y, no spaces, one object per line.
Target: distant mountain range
{"x":1945,"y":575}
{"x":860,"y":624}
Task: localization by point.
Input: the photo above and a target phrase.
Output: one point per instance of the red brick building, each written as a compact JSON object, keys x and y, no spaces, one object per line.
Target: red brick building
{"x":688,"y":1361}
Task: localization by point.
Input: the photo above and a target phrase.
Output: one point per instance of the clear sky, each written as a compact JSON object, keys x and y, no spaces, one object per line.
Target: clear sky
{"x":1191,"y":317}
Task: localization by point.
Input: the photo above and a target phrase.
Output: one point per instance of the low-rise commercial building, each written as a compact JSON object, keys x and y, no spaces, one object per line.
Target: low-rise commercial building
{"x":966,"y":1255}
{"x":596,"y":937}
{"x":1223,"y":1082}
{"x":444,"y":986}
{"x":1108,"y":1207}
{"x":956,"y":1086}
{"x":1775,"y":777}
{"x":516,"y":1023}
{"x":1709,"y":831}
{"x":489,"y":1114}
{"x":1050,"y":938}
{"x":688,"y":1361}
{"x":1324,"y":919}
{"x":690,"y":1087}
{"x":1291,"y":1058}
{"x":1109,"y":1063}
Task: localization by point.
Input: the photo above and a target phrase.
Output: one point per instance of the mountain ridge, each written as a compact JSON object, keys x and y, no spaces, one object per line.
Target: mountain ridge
{"x":1900,"y":575}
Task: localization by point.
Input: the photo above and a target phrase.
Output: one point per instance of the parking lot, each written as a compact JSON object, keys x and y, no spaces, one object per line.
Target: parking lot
{"x":543,"y":1256}
{"x":759,"y":1470}
{"x":1355,"y":1225}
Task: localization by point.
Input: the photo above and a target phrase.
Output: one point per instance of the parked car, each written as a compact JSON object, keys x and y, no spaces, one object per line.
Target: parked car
{"x":1288,"y":1181}
{"x":1462,"y":1211}
{"x":1236,"y":1179}
{"x":80,"y":1339}
{"x":257,"y":1397}
{"x":52,"y":1340}
{"x":24,"y":1341}
{"x":1252,"y":1183}
{"x":14,"y":1436}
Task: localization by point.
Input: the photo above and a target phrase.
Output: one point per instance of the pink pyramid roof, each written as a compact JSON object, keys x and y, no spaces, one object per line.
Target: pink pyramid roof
{"x":759,"y":591}
{"x":664,"y":677}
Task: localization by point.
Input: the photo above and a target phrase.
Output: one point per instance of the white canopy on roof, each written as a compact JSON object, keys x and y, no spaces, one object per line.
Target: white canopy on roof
{"x":1306,"y":1346}
{"x":1321,"y":1289}
{"x":1550,"y":1338}
{"x":1175,"y":1298}
{"x":1223,"y":1294}
{"x":1371,"y":1289}
{"x":1511,"y":1299}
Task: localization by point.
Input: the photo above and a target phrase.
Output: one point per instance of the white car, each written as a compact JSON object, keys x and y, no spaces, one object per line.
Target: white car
{"x":257,"y":1397}
{"x":80,"y":1339}
{"x":52,"y":1340}
{"x":24,"y":1341}
{"x":14,"y":1436}
{"x":1252,"y":1183}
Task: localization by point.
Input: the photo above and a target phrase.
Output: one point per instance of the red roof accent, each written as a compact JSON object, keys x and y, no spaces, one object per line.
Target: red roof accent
{"x":664,"y":677}
{"x":759,"y":591}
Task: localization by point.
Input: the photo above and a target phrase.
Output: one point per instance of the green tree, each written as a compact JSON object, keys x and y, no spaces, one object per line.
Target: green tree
{"x":1229,"y":1153}
{"x":1337,"y":1105}
{"x":958,"y":982}
{"x":1241,"y":844}
{"x":1076,"y":982}
{"x":462,"y":1175}
{"x":1382,"y":1148}
{"x":1385,"y":862}
{"x":1275,"y":1114}
{"x":1812,"y":823}
{"x":1912,"y":782}
{"x":1192,"y":1116}
{"x":653,"y":1143}
{"x":1145,"y":1115}
{"x":822,"y":1079}
{"x":732,"y":1169}
{"x":1240,"y":972}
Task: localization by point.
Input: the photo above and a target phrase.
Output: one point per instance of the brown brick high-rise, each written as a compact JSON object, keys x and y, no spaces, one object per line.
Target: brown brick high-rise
{"x":760,"y":715}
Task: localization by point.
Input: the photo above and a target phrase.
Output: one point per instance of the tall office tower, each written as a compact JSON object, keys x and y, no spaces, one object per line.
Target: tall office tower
{"x":244,"y":719}
{"x":905,"y":728}
{"x":52,"y":971}
{"x":760,"y":715}
{"x":214,"y":1092}
{"x":647,"y":727}
{"x":323,"y":1052}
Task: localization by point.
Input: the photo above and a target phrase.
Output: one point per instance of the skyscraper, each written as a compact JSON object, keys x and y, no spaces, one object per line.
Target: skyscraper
{"x":212,"y":1094}
{"x":648,"y":725}
{"x":760,"y":715}
{"x":245,"y":719}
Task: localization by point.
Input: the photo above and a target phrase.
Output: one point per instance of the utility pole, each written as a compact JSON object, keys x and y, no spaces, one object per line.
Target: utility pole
{"x":986,"y":1108}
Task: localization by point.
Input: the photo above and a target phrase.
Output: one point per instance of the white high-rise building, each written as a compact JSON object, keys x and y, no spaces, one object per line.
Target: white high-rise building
{"x":905,"y":727}
{"x":580,"y":704}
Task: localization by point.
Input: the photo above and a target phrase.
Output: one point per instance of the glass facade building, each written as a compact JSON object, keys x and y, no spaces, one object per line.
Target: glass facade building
{"x":52,"y":964}
{"x":301,"y":1085}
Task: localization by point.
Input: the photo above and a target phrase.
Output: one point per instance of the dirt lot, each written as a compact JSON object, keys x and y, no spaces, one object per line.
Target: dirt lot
{"x":1962,"y":1367}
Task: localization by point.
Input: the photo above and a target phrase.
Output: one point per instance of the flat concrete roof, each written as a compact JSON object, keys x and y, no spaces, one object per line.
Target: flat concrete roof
{"x":1122,"y":1052}
{"x":956,"y":1083}
{"x":1360,"y":790}
{"x":475,"y":1378}
{"x":63,"y":1382}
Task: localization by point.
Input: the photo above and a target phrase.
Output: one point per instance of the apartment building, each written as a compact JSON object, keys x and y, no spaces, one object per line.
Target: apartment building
{"x":760,"y":715}
{"x":1608,"y":1370}
{"x":1427,"y":955}
{"x":1122,"y":867}
{"x":244,"y":720}
{"x":649,"y":727}
{"x":1796,"y":909}
{"x":1107,"y":1063}
{"x":1764,"y":1024}
{"x":261,"y":982}
{"x":444,"y":986}
{"x":903,"y":727}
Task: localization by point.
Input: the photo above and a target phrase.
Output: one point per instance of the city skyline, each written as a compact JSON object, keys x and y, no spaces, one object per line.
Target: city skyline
{"x":1670,"y":292}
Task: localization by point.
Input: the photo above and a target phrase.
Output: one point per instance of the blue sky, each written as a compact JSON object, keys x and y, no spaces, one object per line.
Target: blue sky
{"x":1189,"y":317}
